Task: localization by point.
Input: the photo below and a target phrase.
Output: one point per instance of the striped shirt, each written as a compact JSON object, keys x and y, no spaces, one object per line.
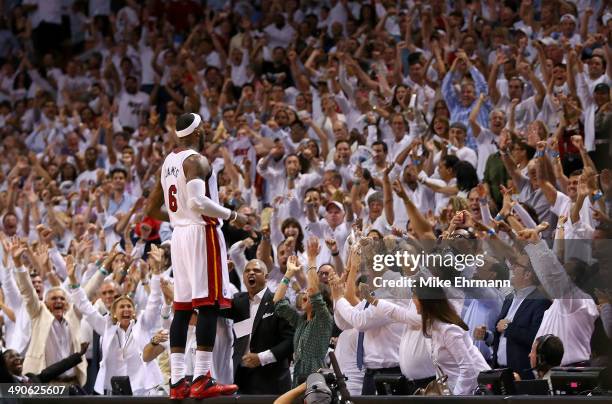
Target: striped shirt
{"x":458,"y":112}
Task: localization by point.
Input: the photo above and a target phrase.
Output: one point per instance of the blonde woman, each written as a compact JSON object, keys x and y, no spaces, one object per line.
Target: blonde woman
{"x":124,"y":336}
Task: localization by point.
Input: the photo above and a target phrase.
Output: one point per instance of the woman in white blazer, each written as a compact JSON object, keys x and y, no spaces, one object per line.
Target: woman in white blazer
{"x":123,"y":336}
{"x":452,"y":349}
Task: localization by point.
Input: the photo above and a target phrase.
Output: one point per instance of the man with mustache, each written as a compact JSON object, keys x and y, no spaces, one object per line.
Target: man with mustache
{"x":264,"y":341}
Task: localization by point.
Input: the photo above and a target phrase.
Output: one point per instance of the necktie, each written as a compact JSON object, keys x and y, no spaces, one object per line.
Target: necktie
{"x":360,"y":345}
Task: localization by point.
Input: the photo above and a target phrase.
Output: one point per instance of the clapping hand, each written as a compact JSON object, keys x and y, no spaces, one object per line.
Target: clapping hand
{"x":293,"y":266}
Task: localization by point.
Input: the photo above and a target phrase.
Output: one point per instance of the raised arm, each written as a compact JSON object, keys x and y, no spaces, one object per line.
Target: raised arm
{"x":552,"y":275}
{"x":420,"y":224}
{"x":197,"y":170}
{"x":388,"y":195}
{"x":283,"y":308}
{"x":406,"y":315}
{"x":24,"y":284}
{"x":81,"y":302}
{"x":500,"y":59}
{"x":528,"y":73}
{"x":476,"y":129}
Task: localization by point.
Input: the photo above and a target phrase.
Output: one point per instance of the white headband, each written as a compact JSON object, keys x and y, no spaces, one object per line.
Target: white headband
{"x":189,"y":130}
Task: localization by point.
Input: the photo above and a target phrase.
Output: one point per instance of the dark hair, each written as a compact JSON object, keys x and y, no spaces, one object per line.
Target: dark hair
{"x":299,"y":242}
{"x":414,"y":58}
{"x":312,"y":189}
{"x":75,"y":172}
{"x":27,"y":80}
{"x":119,"y":170}
{"x":576,"y":173}
{"x":342,"y":141}
{"x":381,"y":143}
{"x":466,"y":176}
{"x":122,"y":134}
{"x":450,"y":161}
{"x":435,"y":306}
{"x":5,"y":375}
{"x":549,"y":351}
{"x":184,"y":121}
{"x":394,"y":101}
{"x":501,"y":271}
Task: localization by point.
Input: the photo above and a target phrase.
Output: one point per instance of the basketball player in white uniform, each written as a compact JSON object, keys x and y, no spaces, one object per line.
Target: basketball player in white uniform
{"x":188,"y":188}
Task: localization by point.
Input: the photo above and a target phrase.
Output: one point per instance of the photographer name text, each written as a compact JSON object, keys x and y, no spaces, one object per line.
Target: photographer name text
{"x":457,"y":282}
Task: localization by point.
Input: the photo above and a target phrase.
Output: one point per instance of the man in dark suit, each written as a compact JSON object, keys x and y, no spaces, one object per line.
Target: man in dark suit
{"x":519,"y":321}
{"x":263,"y":343}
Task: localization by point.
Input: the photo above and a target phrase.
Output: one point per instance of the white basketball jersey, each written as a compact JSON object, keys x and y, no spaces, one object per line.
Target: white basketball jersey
{"x":174,"y":184}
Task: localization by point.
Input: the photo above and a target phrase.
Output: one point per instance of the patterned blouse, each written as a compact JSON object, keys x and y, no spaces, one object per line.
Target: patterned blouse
{"x":311,"y":338}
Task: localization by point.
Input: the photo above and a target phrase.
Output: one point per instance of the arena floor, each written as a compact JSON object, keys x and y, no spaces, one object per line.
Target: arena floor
{"x":356,"y":400}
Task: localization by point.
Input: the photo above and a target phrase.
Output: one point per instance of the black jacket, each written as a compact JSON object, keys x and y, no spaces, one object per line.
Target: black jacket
{"x":269,"y":332}
{"x":521,"y":332}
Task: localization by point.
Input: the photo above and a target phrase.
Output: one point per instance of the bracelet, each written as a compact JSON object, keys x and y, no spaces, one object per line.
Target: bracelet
{"x":335,"y":254}
{"x":285,"y":280}
{"x":74,"y":286}
{"x":103,"y":271}
{"x":500,"y":217}
{"x":312,"y":267}
{"x":235,"y":216}
{"x":483,"y":201}
{"x":539,"y":153}
{"x":553,"y":154}
{"x":491,"y":232}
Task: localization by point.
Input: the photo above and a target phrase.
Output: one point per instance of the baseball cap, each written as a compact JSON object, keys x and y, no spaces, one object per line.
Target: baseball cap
{"x":548,"y":41}
{"x":602,"y":87}
{"x":459,"y":125}
{"x":568,"y":17}
{"x":336,"y":204}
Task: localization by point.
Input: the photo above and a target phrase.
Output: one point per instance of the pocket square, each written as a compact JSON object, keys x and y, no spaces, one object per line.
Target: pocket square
{"x":266,"y":315}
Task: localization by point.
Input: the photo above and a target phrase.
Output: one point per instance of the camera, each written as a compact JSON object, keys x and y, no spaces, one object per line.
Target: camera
{"x":327,"y":386}
{"x":321,"y":388}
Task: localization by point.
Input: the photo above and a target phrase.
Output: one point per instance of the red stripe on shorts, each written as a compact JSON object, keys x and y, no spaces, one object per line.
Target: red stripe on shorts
{"x":214,"y":270}
{"x":182,"y":306}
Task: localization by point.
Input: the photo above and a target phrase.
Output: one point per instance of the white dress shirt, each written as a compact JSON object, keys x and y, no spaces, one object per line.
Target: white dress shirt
{"x":58,"y":345}
{"x":346,"y":353}
{"x":265,"y":357}
{"x":382,"y":335}
{"x":414,"y":350}
{"x":487,"y":145}
{"x":452,"y":349}
{"x":585,"y":88}
{"x":572,"y":315}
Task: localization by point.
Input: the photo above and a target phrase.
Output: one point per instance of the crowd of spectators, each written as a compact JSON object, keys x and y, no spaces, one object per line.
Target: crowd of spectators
{"x":340,"y":129}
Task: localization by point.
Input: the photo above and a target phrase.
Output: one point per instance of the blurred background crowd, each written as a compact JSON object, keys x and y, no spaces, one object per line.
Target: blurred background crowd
{"x":339,"y":128}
